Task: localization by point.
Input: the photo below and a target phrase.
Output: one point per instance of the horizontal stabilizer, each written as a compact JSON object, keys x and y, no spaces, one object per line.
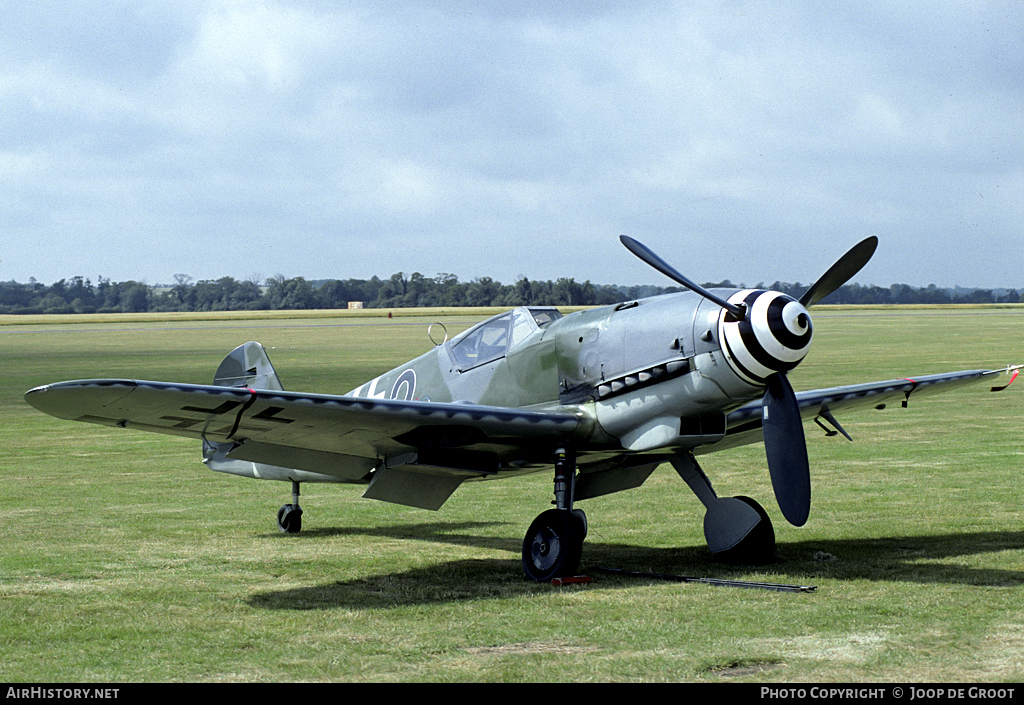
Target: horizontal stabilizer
{"x":249,"y":366}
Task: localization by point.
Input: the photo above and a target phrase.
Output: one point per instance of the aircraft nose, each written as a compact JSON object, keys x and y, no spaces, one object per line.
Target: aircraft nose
{"x":773,"y":337}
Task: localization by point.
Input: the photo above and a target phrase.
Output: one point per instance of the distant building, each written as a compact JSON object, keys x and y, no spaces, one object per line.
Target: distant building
{"x":355,"y":304}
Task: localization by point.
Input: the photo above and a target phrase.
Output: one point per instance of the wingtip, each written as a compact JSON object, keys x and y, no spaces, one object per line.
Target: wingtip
{"x":33,"y":395}
{"x":71,"y":399}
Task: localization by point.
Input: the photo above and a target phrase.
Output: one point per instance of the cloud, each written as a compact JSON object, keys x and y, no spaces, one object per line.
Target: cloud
{"x":743,"y":141}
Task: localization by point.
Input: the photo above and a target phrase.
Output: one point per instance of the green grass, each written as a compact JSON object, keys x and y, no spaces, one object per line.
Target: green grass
{"x":124,"y":559}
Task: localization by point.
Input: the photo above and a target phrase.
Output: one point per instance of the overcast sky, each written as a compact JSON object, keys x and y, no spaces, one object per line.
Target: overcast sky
{"x":750,"y":141}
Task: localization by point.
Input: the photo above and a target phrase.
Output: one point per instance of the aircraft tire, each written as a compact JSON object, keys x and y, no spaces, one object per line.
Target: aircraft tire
{"x":580,"y":517}
{"x":553,"y":546}
{"x":757,"y":547}
{"x":289,"y":519}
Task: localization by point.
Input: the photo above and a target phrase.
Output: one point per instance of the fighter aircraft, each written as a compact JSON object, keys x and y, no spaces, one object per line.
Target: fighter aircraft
{"x":602,"y":396}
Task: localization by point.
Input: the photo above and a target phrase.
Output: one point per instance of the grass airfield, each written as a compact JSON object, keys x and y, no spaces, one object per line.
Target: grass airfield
{"x":124,"y":560}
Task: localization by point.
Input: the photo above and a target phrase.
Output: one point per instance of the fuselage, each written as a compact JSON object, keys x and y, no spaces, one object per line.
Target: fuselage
{"x":652,"y":372}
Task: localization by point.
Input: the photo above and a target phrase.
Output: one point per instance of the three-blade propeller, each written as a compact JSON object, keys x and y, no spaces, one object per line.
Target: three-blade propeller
{"x":782,"y":427}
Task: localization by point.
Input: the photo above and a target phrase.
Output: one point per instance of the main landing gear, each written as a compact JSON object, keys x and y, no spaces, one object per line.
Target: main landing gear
{"x":289,"y":517}
{"x":554,"y":541}
{"x":737,"y":529}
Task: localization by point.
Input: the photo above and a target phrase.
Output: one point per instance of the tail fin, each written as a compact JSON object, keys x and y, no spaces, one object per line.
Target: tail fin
{"x":248,"y":366}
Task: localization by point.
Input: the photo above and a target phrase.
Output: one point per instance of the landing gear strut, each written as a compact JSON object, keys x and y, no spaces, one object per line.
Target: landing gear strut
{"x":737,"y":529}
{"x":289,"y":517}
{"x":554,"y":541}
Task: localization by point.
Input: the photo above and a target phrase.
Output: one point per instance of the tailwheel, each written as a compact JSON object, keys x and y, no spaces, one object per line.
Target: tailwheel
{"x":289,"y":519}
{"x":553,"y":545}
{"x":758,"y":546}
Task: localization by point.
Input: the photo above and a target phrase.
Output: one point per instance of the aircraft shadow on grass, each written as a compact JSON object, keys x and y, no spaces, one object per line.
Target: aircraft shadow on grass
{"x":909,"y":559}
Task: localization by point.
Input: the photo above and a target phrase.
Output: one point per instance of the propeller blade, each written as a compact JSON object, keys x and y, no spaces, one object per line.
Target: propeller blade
{"x":644,"y":253}
{"x":786,"y":449}
{"x":840,"y":272}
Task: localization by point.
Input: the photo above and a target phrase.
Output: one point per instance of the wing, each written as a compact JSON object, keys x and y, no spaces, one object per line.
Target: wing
{"x":411,"y":452}
{"x":744,"y":424}
{"x":602,"y":473}
{"x":342,"y":437}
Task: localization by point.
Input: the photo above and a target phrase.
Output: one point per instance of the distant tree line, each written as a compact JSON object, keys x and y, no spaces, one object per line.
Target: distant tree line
{"x":79,"y":295}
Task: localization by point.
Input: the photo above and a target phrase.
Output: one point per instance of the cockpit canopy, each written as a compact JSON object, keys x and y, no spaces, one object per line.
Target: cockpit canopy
{"x":493,"y":338}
